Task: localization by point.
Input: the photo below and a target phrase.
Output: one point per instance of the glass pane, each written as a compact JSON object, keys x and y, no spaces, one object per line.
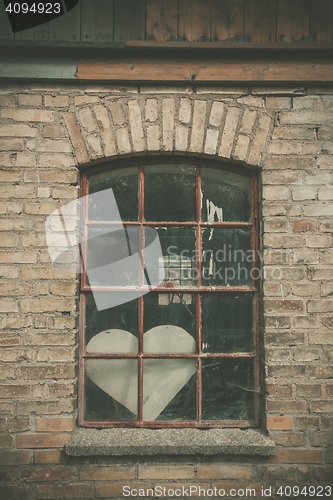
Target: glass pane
{"x":227,"y":389}
{"x":168,"y":389}
{"x":169,"y":323}
{"x":112,"y":256}
{"x":225,"y":196}
{"x":179,"y":256}
{"x":111,"y":389}
{"x":227,"y":322}
{"x":169,"y":193}
{"x":123,"y":317}
{"x":124,"y":183}
{"x":227,"y":257}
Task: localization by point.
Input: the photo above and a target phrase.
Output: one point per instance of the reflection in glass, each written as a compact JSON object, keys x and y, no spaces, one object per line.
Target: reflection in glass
{"x":122,"y":317}
{"x":227,"y":322}
{"x":227,"y":257}
{"x":227,"y":389}
{"x":179,"y":256}
{"x":168,"y":389}
{"x":171,"y":309}
{"x":169,"y":193}
{"x":106,"y":247}
{"x":111,"y":389}
{"x":225,"y":196}
{"x":124,"y":183}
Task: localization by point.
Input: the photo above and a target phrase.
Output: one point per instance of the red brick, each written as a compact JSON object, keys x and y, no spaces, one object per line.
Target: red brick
{"x":224,"y":472}
{"x":35,"y":474}
{"x":106,"y":473}
{"x":17,"y":457}
{"x":297,"y":456}
{"x":55,"y":424}
{"x":280,"y":423}
{"x":42,"y":440}
{"x":65,"y":491}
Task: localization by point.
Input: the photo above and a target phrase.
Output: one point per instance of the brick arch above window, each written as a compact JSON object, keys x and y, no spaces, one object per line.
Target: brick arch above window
{"x":125,"y":126}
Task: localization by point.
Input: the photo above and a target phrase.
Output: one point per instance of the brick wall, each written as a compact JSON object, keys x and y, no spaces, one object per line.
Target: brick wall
{"x":46,"y":132}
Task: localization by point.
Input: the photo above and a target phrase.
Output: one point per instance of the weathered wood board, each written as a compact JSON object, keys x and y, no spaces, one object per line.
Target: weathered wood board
{"x":199,"y":69}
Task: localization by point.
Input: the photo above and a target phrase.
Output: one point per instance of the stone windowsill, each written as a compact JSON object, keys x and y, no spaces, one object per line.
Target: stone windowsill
{"x":120,"y":442}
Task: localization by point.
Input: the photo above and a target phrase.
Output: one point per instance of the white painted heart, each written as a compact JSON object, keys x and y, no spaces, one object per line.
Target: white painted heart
{"x":162,"y":378}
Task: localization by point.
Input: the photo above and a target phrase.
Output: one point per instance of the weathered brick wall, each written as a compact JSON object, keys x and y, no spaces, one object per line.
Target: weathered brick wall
{"x":46,"y":132}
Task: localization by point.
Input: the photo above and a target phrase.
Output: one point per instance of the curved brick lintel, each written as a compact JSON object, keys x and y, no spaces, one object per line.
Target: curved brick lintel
{"x":169,"y":125}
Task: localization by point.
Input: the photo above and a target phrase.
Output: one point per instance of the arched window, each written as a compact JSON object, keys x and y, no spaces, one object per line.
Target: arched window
{"x":169,"y":337}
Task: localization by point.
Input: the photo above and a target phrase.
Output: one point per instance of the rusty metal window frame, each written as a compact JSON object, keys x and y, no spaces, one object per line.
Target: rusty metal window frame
{"x":199,"y":356}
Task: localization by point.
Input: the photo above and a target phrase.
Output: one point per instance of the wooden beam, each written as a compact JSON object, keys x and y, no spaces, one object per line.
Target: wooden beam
{"x":202,"y":70}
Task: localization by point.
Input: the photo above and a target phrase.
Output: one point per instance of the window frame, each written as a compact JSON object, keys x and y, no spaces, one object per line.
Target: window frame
{"x":253,"y":289}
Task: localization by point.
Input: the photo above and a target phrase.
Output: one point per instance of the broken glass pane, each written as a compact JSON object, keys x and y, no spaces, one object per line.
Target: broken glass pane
{"x":227,"y":257}
{"x":179,"y":256}
{"x":124,"y":183}
{"x":168,"y":389}
{"x":111,"y":389}
{"x":169,"y":193}
{"x":227,"y":322}
{"x":174,"y":315}
{"x":227,"y":389}
{"x":225,"y":197}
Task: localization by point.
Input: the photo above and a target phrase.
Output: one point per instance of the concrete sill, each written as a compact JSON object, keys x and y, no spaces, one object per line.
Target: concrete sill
{"x":126,"y":442}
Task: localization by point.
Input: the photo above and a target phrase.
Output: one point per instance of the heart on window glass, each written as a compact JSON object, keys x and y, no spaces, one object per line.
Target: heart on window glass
{"x":162,"y":378}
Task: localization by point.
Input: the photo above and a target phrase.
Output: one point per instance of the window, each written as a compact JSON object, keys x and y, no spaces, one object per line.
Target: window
{"x":186,"y":353}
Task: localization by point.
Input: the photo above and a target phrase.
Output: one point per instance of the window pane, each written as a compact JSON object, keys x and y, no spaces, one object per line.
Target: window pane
{"x":167,"y":316}
{"x":227,"y":322}
{"x":123,"y":317}
{"x":111,"y":389}
{"x":169,"y":193}
{"x":225,"y":196}
{"x":124,"y":183}
{"x":168,"y":389}
{"x":112,"y":256}
{"x":178,"y":248}
{"x":227,"y":257}
{"x":227,"y":389}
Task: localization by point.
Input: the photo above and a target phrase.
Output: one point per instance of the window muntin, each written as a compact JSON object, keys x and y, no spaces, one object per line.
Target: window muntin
{"x":213,"y":311}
